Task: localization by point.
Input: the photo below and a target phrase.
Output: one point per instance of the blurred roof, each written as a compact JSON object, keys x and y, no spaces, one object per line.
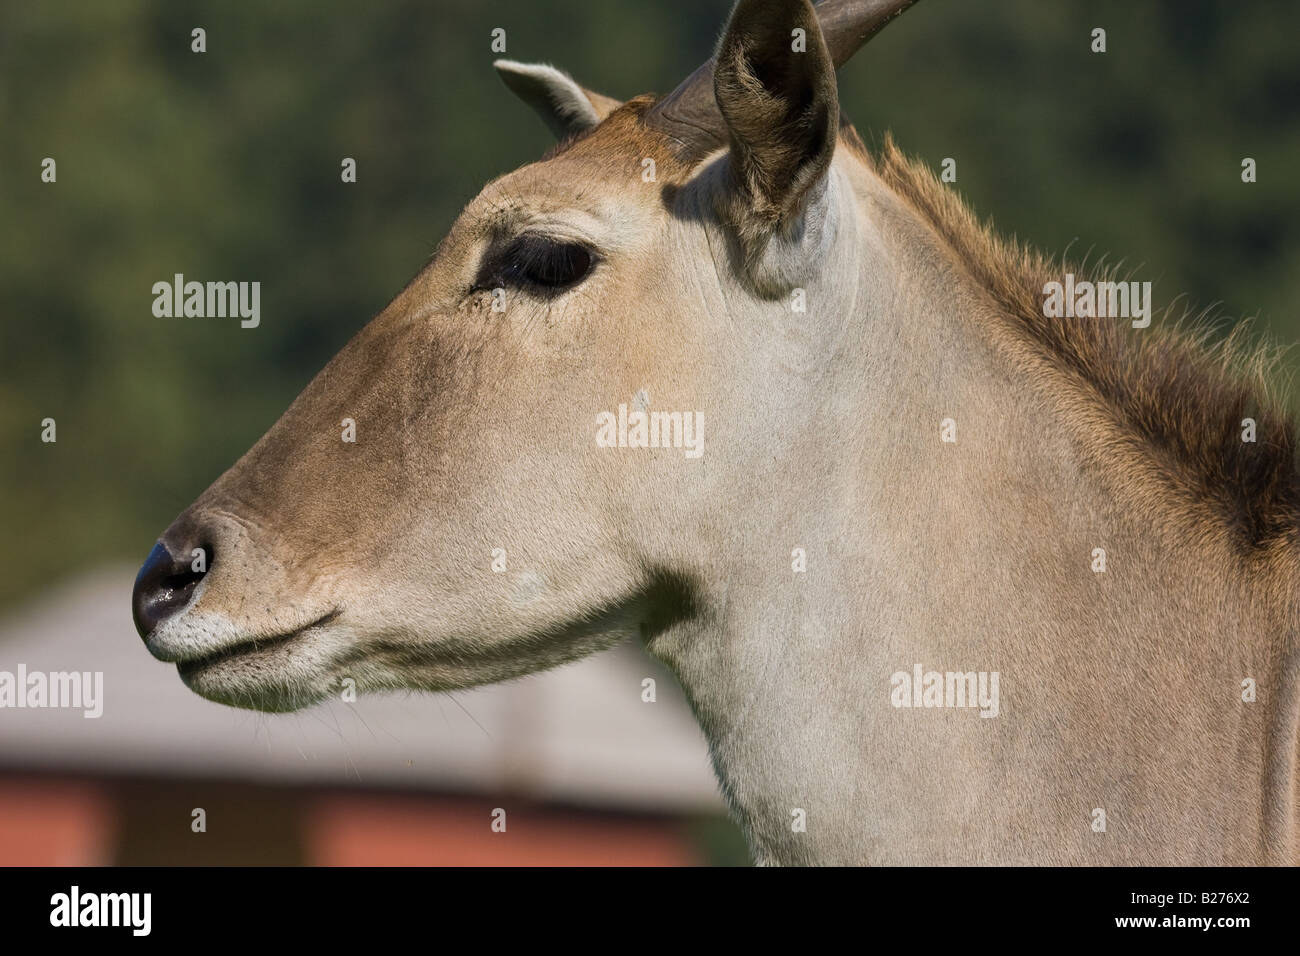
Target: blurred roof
{"x":577,"y":734}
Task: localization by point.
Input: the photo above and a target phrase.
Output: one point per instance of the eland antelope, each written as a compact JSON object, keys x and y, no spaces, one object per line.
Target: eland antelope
{"x":950,"y":580}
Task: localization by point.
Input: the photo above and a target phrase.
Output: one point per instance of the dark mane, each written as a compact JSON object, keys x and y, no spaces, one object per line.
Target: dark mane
{"x":1183,"y":397}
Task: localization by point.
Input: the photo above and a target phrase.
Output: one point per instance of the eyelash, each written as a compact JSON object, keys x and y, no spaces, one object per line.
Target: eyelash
{"x":540,"y":263}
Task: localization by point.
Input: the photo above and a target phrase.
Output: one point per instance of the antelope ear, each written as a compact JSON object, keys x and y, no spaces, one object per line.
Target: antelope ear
{"x":774,"y":83}
{"x":563,"y":105}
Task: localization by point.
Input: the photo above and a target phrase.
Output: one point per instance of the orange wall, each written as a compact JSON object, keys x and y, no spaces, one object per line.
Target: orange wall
{"x":80,"y":822}
{"x":55,"y":823}
{"x":349,"y":830}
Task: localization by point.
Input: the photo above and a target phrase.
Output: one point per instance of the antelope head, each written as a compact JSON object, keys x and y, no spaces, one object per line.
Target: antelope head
{"x":460,"y":496}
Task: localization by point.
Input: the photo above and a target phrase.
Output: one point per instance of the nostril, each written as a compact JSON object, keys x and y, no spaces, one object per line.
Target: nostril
{"x":181,"y":586}
{"x":166,"y":584}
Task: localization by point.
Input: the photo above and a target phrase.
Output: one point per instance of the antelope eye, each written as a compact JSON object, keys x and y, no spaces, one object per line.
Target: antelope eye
{"x":543,"y":263}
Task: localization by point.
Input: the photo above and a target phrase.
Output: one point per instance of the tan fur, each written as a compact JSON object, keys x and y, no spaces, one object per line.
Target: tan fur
{"x":1183,"y":399}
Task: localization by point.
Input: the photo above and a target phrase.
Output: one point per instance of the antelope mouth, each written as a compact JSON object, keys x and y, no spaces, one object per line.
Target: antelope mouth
{"x":249,"y":649}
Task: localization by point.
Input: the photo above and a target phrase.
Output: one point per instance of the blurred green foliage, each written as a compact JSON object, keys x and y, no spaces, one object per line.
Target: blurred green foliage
{"x":225,"y":165}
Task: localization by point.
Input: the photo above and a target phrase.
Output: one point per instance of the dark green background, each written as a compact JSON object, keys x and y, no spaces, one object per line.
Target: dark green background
{"x":225,"y":165}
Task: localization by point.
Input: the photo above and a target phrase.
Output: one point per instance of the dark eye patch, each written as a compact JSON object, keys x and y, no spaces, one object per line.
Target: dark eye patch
{"x":535,"y":262}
